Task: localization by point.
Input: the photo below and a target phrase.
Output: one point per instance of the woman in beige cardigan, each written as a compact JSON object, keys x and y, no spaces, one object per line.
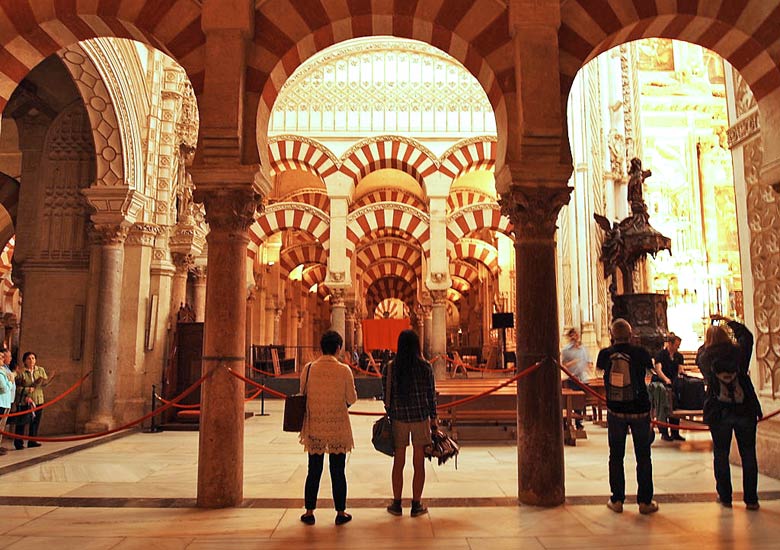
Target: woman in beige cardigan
{"x":330,"y":389}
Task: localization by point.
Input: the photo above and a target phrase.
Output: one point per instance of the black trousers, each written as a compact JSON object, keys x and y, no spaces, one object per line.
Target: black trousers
{"x":337,"y":464}
{"x":33,"y":431}
{"x":744,"y":428}
{"x":642,"y":436}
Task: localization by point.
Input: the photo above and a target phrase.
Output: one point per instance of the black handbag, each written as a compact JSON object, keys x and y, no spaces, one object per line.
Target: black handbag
{"x":382,"y":431}
{"x":295,"y":408}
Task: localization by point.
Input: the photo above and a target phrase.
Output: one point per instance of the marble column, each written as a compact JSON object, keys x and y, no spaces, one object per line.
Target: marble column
{"x":112,"y":253}
{"x":270,"y":320}
{"x":349,"y":334}
{"x":182,"y":263}
{"x":428,"y":327}
{"x":533,"y":211}
{"x":338,"y":311}
{"x":199,"y":297}
{"x":229,"y":213}
{"x":359,"y":332}
{"x":438,"y":335}
{"x":420,"y":321}
{"x":251,"y":300}
{"x":277,"y":326}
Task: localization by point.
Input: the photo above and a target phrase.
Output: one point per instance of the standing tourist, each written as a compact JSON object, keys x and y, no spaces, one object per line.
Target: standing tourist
{"x":7,"y":393}
{"x":575,"y":357}
{"x":411,"y":407}
{"x":628,"y":406}
{"x":30,"y":389}
{"x":731,"y":406}
{"x":329,"y":389}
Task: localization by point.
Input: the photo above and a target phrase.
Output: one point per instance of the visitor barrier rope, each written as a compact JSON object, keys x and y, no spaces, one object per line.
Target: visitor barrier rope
{"x":363,"y":371}
{"x":197,"y":405}
{"x":263,"y":372}
{"x":466,"y":366}
{"x":258,"y":385}
{"x":71,"y":389}
{"x":145,"y":417}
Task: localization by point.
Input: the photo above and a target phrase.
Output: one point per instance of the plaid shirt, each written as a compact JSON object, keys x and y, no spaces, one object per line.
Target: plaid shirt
{"x":419,"y":405}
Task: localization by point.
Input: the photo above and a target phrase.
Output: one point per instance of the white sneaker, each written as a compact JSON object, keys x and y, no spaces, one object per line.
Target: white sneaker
{"x":616,"y":507}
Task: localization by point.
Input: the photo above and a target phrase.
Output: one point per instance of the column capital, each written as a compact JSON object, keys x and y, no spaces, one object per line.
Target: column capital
{"x":143,"y":234}
{"x":106,"y":234}
{"x":338,"y":297}
{"x":183,"y":262}
{"x":439,"y":297}
{"x":533,"y":210}
{"x":199,"y":272}
{"x":231,"y":209}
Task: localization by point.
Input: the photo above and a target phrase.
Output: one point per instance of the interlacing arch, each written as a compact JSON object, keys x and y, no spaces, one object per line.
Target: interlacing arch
{"x":590,"y":27}
{"x":291,"y":215}
{"x":465,"y":271}
{"x":479,"y":216}
{"x":462,"y":286}
{"x":375,"y":250}
{"x":453,"y":296}
{"x":389,"y":287}
{"x":290,"y":152}
{"x":387,"y":267}
{"x":390,"y":195}
{"x":315,"y":275}
{"x":317,"y":198}
{"x":301,"y":254}
{"x":461,"y":197}
{"x":32,"y":30}
{"x":367,"y":219}
{"x":468,"y":156}
{"x":478,"y":250}
{"x":396,"y":152}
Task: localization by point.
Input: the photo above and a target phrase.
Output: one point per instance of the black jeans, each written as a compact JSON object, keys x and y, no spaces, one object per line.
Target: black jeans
{"x":338,"y":480}
{"x":642,"y":435}
{"x":33,"y":431}
{"x":744,"y":428}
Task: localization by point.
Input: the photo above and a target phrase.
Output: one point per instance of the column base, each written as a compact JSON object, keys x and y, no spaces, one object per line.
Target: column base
{"x":99,"y":424}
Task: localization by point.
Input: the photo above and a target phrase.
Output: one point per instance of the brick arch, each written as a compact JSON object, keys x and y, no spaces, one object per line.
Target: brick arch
{"x":475,"y":33}
{"x":461,"y":286}
{"x":32,"y":30}
{"x":464,"y":270}
{"x":453,"y":296}
{"x":406,"y":218}
{"x":479,"y":216}
{"x":315,"y":274}
{"x":317,"y":198}
{"x":388,"y":267}
{"x":290,"y":152}
{"x":462,"y":197}
{"x":304,"y":253}
{"x":389,"y":287}
{"x":477,"y":250}
{"x":9,"y":203}
{"x":388,"y":247}
{"x":291,"y":215}
{"x":469,"y":156}
{"x":389,"y":195}
{"x":379,"y":152}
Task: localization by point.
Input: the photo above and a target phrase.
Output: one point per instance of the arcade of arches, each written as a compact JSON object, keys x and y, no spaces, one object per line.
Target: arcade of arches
{"x":286,"y":166}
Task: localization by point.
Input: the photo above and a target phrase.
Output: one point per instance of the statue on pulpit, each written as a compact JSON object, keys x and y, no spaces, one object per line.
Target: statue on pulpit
{"x":636,"y":179}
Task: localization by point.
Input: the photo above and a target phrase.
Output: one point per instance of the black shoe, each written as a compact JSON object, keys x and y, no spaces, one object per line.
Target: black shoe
{"x":33,"y":444}
{"x":418,"y":509}
{"x":18,"y":447}
{"x":395,"y":508}
{"x":677,"y":437}
{"x":341,"y":519}
{"x":308,"y":519}
{"x":579,"y":426}
{"x":724,"y":503}
{"x":667,"y":437}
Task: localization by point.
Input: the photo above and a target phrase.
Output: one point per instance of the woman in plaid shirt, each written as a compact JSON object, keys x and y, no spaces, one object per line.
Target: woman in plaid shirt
{"x":412,"y":410}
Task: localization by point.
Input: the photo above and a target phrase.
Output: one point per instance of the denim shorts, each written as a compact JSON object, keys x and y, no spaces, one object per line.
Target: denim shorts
{"x":420,"y":433}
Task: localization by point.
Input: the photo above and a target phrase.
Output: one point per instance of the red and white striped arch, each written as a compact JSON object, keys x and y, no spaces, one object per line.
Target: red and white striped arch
{"x":389,"y":195}
{"x":365,"y":220}
{"x":291,"y":215}
{"x":6,"y":256}
{"x":469,"y":156}
{"x":464,"y":221}
{"x":318,"y":198}
{"x":745,"y":32}
{"x":453,"y":295}
{"x":289,"y":152}
{"x":462,"y":286}
{"x":387,"y":267}
{"x":464,"y":270}
{"x":389,"y":287}
{"x":315,"y":275}
{"x":32,"y":30}
{"x":389,"y":247}
{"x":460,"y":198}
{"x":288,"y":32}
{"x":380,"y":152}
{"x":304,"y":253}
{"x":475,"y":249}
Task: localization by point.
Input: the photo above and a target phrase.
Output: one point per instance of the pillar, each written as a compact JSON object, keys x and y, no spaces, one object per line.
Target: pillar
{"x":349,"y":334}
{"x":229,"y":214}
{"x":420,"y":321}
{"x":182,"y":264}
{"x":428,"y":328}
{"x":199,"y":297}
{"x":438,"y":335}
{"x":112,"y":253}
{"x":533,"y":211}
{"x":338,"y":311}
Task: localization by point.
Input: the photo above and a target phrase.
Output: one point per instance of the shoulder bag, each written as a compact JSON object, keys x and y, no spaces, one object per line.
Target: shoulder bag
{"x":382,"y":432}
{"x":295,"y":408}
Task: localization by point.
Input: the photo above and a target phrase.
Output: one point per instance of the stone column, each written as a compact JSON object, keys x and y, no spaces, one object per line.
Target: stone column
{"x":338,"y":311}
{"x":199,"y":298}
{"x":277,"y":326}
{"x":420,"y":320}
{"x":112,"y":253}
{"x":533,"y":211}
{"x":358,"y":332}
{"x":349,"y":334}
{"x":182,"y":263}
{"x":229,"y":214}
{"x":438,"y":335}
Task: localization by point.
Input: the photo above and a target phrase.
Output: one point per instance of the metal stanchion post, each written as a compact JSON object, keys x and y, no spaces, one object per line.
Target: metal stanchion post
{"x":154,"y":428}
{"x":262,"y":398}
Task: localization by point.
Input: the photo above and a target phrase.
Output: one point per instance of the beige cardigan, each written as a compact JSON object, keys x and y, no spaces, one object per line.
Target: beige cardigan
{"x":329,"y":387}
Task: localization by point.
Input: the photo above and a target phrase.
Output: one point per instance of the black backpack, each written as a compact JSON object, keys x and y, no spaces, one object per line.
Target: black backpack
{"x":620,"y":385}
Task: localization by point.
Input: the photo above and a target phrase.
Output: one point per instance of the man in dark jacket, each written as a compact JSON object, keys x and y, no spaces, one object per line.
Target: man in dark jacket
{"x":628,"y":406}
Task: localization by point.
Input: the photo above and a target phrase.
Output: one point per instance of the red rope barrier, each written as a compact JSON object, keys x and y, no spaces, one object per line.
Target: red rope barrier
{"x":264,"y":372}
{"x":581,"y":384}
{"x":474,"y":397}
{"x":79,"y":382}
{"x":145,"y":417}
{"x":197,"y":405}
{"x":255,"y":384}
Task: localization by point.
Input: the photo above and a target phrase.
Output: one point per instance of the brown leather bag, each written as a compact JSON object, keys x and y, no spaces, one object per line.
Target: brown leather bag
{"x":295,"y":408}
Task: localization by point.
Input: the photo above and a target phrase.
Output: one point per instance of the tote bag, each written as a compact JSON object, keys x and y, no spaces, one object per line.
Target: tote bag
{"x":295,"y":408}
{"x":382,"y":432}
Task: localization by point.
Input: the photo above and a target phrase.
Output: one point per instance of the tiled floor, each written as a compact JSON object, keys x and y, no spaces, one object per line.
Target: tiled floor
{"x":135,"y":492}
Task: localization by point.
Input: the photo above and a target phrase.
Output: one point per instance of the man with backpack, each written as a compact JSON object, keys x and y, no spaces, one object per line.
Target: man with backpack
{"x":628,"y":406}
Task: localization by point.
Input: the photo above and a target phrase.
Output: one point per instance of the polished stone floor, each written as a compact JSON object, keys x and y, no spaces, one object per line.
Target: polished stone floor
{"x":137,"y":491}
